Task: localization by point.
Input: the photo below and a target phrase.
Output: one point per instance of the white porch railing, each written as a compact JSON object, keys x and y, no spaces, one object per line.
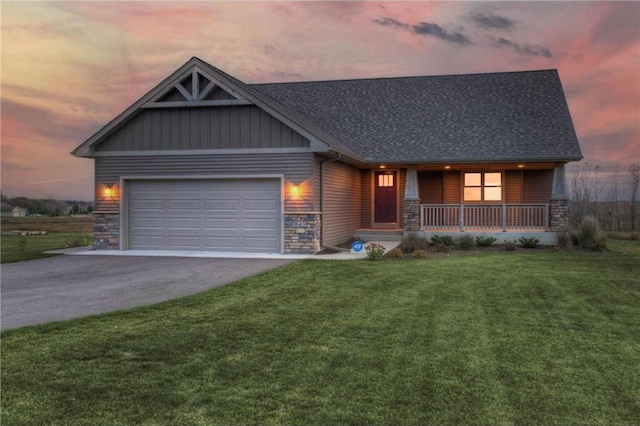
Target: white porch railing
{"x":485,"y":216}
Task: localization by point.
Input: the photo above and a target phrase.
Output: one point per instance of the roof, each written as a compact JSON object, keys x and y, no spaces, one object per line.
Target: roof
{"x":516,"y":116}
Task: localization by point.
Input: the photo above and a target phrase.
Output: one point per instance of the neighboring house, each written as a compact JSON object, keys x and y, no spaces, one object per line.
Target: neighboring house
{"x":5,"y":210}
{"x":19,"y":212}
{"x":206,"y":162}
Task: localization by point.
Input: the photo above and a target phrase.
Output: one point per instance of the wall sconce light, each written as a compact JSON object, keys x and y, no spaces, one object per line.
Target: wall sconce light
{"x":521,"y":166}
{"x":447,"y":167}
{"x":295,"y":191}
{"x":109,"y":192}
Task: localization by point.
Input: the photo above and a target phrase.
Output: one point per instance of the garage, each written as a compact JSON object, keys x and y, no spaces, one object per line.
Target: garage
{"x":235,"y":215}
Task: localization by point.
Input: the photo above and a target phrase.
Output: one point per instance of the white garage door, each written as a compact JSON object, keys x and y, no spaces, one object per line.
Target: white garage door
{"x":242,"y":215}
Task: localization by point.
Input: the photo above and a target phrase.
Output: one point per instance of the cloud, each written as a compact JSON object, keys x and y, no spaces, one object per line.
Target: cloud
{"x":393,"y":23}
{"x":524,"y":49}
{"x":269,"y":49}
{"x":285,"y":74}
{"x":426,"y":28}
{"x":493,"y":21}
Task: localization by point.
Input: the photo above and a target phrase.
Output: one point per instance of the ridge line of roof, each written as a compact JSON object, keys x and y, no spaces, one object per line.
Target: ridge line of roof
{"x":408,"y":77}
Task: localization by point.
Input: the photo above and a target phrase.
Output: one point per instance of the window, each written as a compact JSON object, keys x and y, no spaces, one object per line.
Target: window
{"x":385,"y":180}
{"x":483,"y":186}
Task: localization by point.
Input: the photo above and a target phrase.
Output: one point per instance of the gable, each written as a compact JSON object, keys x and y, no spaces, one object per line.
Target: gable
{"x":202,"y":128}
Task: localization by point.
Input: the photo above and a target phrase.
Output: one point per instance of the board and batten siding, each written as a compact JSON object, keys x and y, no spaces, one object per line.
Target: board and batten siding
{"x":295,"y":167}
{"x":236,"y":127}
{"x":341,"y":198}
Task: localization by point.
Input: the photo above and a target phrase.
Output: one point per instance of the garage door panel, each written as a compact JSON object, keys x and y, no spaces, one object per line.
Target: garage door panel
{"x":217,"y":215}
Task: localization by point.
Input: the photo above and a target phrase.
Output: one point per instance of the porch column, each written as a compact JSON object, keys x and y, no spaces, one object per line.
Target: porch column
{"x":411,"y":201}
{"x":559,"y":203}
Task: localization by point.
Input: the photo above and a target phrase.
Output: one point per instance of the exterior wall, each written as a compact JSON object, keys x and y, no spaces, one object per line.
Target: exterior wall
{"x":297,"y":168}
{"x":559,"y":215}
{"x":202,"y":128}
{"x":538,"y":185}
{"x":513,"y":187}
{"x":366,"y":188}
{"x":451,"y":187}
{"x":430,"y":186}
{"x":342,"y":202}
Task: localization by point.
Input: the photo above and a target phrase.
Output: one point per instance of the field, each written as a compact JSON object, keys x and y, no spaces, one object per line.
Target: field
{"x":62,"y":232}
{"x":524,"y":337}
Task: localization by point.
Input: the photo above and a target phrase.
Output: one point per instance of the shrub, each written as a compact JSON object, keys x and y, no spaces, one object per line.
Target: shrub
{"x":510,"y":245}
{"x":413,"y":242}
{"x":22,"y":243}
{"x":442,"y":240}
{"x":396,"y":253}
{"x":375,"y":251}
{"x":588,"y":232}
{"x":575,"y":239}
{"x":531,"y":242}
{"x":564,"y":240}
{"x":485,"y":241}
{"x":78,"y":239}
{"x":465,"y":242}
{"x":420,"y":254}
{"x":600,"y":244}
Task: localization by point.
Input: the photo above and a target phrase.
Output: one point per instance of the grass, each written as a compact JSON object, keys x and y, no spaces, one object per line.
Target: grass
{"x":60,"y":230}
{"x":18,"y":249}
{"x":497,"y":338}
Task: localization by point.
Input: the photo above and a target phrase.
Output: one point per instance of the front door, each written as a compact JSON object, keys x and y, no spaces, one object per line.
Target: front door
{"x":386,"y":197}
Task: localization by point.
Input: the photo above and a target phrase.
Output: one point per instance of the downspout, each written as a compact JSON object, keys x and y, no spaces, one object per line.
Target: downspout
{"x":336,"y":158}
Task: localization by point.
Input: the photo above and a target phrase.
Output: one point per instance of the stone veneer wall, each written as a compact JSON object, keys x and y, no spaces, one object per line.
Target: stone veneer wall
{"x":559,"y":215}
{"x":411,"y":215}
{"x":302,"y":232}
{"x":106,"y":231}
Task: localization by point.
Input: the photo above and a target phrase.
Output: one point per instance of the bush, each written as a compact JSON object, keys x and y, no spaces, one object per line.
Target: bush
{"x":442,"y":240}
{"x":510,"y":245}
{"x":375,"y":251}
{"x":564,"y":240}
{"x":465,"y":242}
{"x":420,"y":254}
{"x":396,"y":253}
{"x":485,"y":241}
{"x":588,"y":232}
{"x":413,"y":242}
{"x":531,"y":242}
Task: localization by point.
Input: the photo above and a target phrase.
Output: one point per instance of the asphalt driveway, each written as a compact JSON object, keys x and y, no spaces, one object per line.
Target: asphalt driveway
{"x":65,"y":287}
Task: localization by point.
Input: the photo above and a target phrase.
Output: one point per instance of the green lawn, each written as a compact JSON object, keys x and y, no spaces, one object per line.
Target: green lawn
{"x":17,"y":249}
{"x":497,"y":338}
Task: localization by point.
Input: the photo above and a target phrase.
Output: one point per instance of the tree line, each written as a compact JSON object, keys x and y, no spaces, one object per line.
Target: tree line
{"x":49,"y":207}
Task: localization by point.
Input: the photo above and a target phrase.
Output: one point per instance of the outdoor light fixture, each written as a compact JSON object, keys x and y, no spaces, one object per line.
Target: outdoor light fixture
{"x":109,"y":192}
{"x":521,"y":166}
{"x":447,"y":167}
{"x":295,"y":190}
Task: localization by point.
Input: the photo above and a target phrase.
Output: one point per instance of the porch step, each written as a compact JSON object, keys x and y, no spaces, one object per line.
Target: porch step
{"x":379,"y":234}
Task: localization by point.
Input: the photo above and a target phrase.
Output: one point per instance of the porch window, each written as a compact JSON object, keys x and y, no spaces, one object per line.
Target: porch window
{"x":385,"y":180}
{"x":482,"y":186}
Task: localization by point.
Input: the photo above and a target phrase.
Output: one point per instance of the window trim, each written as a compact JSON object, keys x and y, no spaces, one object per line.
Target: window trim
{"x":482,"y":187}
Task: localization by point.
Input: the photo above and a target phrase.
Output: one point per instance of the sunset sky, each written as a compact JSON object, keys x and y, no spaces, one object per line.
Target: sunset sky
{"x":68,"y":68}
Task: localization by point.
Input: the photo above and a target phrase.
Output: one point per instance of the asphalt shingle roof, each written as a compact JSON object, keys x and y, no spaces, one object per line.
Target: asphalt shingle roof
{"x":517,"y":116}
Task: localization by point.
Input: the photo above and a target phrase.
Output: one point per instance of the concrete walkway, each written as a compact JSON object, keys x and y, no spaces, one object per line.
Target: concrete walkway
{"x":347,"y":255}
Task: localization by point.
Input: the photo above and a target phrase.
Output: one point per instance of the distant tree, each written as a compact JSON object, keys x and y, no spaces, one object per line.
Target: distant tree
{"x":75,"y":209}
{"x":90,"y":208}
{"x":634,"y":170}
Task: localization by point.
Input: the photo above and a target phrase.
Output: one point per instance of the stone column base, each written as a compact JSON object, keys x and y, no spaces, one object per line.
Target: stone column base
{"x":302,"y":233}
{"x":559,"y":215}
{"x":411,"y":215}
{"x":106,"y":231}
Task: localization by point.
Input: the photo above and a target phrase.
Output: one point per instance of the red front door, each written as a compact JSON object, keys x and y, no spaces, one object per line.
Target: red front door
{"x":386,"y":197}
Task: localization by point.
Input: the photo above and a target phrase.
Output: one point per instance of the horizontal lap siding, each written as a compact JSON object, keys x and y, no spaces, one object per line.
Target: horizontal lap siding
{"x":430,"y":187}
{"x":295,"y":167}
{"x":513,"y":187}
{"x":451,"y":188}
{"x":538,"y":186}
{"x":342,"y":208}
{"x":202,"y":128}
{"x":367,"y":198}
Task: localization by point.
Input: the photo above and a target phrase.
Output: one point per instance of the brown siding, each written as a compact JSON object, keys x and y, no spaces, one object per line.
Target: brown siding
{"x":341,"y":197}
{"x":402,"y":181}
{"x":451,"y":188}
{"x":367,"y":197}
{"x":538,"y":186}
{"x":430,"y":187}
{"x":297,"y":168}
{"x":513,"y":187}
{"x":202,"y":128}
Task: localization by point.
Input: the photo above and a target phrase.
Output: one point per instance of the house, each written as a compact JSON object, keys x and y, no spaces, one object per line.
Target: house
{"x":19,"y":212}
{"x":205,"y":161}
{"x":5,"y":210}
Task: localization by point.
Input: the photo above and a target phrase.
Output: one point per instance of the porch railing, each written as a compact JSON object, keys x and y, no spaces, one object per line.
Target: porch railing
{"x":502,"y":217}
